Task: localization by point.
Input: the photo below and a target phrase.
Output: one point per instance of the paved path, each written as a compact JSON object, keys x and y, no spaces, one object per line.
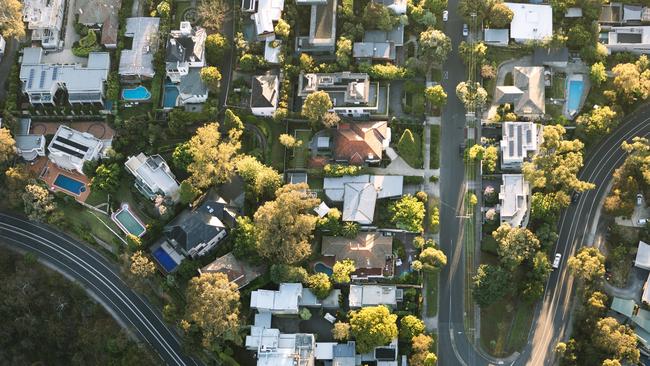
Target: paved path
{"x":634,"y":288}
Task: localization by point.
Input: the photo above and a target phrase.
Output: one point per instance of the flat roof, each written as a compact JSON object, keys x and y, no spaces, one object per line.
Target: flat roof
{"x":531,"y":21}
{"x":139,"y":59}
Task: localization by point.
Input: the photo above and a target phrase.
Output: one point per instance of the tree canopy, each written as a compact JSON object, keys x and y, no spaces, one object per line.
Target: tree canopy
{"x":11,"y":19}
{"x":213,"y":13}
{"x":436,"y":95}
{"x":432,"y":259}
{"x":316,"y":105}
{"x":408,"y":213}
{"x":211,"y":76}
{"x":342,"y":270}
{"x":107,"y":178}
{"x":490,"y":284}
{"x":372,"y":326}
{"x":410,"y":326}
{"x":616,"y":339}
{"x":421,"y":355}
{"x":588,"y":264}
{"x":260,"y":179}
{"x":213,"y":158}
{"x":7,"y":144}
{"x":598,"y":122}
{"x":472,"y":95}
{"x":434,"y":46}
{"x":515,"y":245}
{"x":319,"y":284}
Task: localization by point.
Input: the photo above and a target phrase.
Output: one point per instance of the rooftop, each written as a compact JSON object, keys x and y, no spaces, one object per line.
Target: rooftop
{"x":531,"y":21}
{"x":372,"y":295}
{"x":264,"y":91}
{"x":92,"y":12}
{"x":520,"y":139}
{"x":643,"y":256}
{"x":358,"y":142}
{"x":138,"y":61}
{"x":154,"y":172}
{"x":370,"y":251}
{"x":513,"y":198}
{"x":283,"y":301}
{"x":343,"y":87}
{"x":239,"y":272}
{"x":186,"y":44}
{"x":322,"y":28}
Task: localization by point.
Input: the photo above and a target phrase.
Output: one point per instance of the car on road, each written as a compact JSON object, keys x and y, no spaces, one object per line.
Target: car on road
{"x":445,"y":16}
{"x":575,"y":197}
{"x":465,"y":30}
{"x":557,"y":260}
{"x":639,"y":199}
{"x":642,"y":222}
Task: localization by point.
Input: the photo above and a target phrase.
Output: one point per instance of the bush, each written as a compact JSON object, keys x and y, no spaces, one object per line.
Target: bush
{"x":338,"y":170}
{"x":86,"y":45}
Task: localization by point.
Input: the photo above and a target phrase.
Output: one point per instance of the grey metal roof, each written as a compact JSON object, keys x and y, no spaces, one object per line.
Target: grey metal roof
{"x":192,"y":84}
{"x":138,"y":61}
{"x":263,"y":91}
{"x":544,"y":55}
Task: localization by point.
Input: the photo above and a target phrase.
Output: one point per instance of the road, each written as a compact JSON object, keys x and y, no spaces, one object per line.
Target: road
{"x":100,"y":278}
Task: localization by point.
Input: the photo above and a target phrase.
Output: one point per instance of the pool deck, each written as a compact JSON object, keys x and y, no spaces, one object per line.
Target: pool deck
{"x":48,"y":172}
{"x":100,"y":130}
{"x":133,"y":215}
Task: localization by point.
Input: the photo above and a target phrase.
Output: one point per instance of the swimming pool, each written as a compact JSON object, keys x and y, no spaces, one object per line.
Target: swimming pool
{"x":128,"y":222}
{"x":164,"y":259}
{"x":574,"y":94}
{"x":171,"y":95}
{"x":139,"y":93}
{"x":71,"y":185}
{"x":322,"y":268}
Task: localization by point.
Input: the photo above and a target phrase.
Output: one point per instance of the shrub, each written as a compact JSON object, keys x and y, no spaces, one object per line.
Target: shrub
{"x":338,"y":170}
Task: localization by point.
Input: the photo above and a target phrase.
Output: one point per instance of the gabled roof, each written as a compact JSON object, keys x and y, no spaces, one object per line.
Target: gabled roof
{"x":264,"y":91}
{"x":368,"y":250}
{"x":359,"y":141}
{"x":359,"y":204}
{"x":643,"y":256}
{"x":239,"y":272}
{"x":530,"y":80}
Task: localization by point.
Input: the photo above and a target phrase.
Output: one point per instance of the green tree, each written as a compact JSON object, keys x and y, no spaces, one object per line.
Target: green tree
{"x":216,"y":46}
{"x":213,"y":13}
{"x":39,"y":203}
{"x":289,"y":141}
{"x":343,"y":51}
{"x":490,"y":284}
{"x":243,"y":238}
{"x":598,"y":122}
{"x":378,"y":16}
{"x":434,"y":46}
{"x":472,"y":95}
{"x":490,"y":159}
{"x":107,"y":178}
{"x":281,"y":273}
{"x":472,"y":52}
{"x":182,"y":157}
{"x":588,"y":264}
{"x":546,"y":206}
{"x":213,"y":158}
{"x":163,"y":9}
{"x":408,"y":214}
{"x":211,"y":77}
{"x":341,"y":331}
{"x":16,"y":178}
{"x":285,"y":226}
{"x":537,"y":277}
{"x":432,"y":259}
{"x":436,"y":95}
{"x":316,"y":105}
{"x":631,"y":80}
{"x":187,"y":192}
{"x":515,"y":245}
{"x":579,"y":36}
{"x":141,"y":266}
{"x":350,"y":230}
{"x":282,"y":28}
{"x":421,"y":354}
{"x":409,"y":327}
{"x":342,"y":270}
{"x":260,"y":179}
{"x":616,"y":339}
{"x":7,"y":145}
{"x":11,"y":19}
{"x":319,"y":284}
{"x":500,"y":16}
{"x":372,"y":326}
{"x":598,"y":73}
{"x":231,"y":121}
{"x":331,"y":119}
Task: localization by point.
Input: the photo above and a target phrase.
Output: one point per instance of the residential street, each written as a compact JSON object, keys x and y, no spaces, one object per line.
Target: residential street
{"x":87,"y":267}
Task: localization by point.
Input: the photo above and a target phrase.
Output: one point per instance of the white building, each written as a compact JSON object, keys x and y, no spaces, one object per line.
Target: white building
{"x":642,"y":259}
{"x":268,"y":12}
{"x":44,"y":19}
{"x":496,"y":37}
{"x":137,"y":63}
{"x":530,"y":22}
{"x":3,"y":45}
{"x":373,"y":295}
{"x":279,"y":349}
{"x":265,"y":90}
{"x":520,"y":141}
{"x":29,"y":146}
{"x":153,"y":176}
{"x":283,"y":301}
{"x":513,"y":198}
{"x":83,"y":85}
{"x":185,"y":50}
{"x":70,"y":149}
{"x":629,"y":39}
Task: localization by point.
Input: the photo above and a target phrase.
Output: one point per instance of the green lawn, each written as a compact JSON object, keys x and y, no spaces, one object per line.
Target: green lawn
{"x":274,"y":154}
{"x":434,"y":151}
{"x":301,"y":153}
{"x":412,"y":153}
{"x":431,"y":280}
{"x":501,"y":54}
{"x":558,"y":86}
{"x":96,"y":197}
{"x":181,"y":7}
{"x":554,"y":110}
{"x":86,"y":221}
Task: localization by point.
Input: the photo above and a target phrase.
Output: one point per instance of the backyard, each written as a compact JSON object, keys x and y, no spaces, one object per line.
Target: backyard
{"x":431,"y":284}
{"x":301,"y":153}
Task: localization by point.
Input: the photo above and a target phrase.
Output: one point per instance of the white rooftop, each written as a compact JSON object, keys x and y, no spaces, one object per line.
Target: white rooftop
{"x":283,"y":301}
{"x":513,"y":198}
{"x":519,"y":140}
{"x":372,"y":295}
{"x":138,"y":61}
{"x":530,"y":21}
{"x":645,"y":297}
{"x":643,"y":256}
{"x":154,"y":172}
{"x":70,"y":148}
{"x":360,"y":193}
{"x":322,"y":210}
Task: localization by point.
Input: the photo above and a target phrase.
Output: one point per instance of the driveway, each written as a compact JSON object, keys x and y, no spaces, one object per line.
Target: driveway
{"x":65,"y":56}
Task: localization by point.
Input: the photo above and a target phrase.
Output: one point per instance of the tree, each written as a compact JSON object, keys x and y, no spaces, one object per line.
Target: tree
{"x":515,"y":244}
{"x":537,"y":277}
{"x":479,"y":7}
{"x":408,"y":214}
{"x":7,"y":145}
{"x":472,"y":95}
{"x":434,"y":46}
{"x":307,"y":63}
{"x":616,"y":339}
{"x":141,"y":266}
{"x":187,"y":192}
{"x":216,"y":46}
{"x":350,"y":230}
{"x":212,"y":303}
{"x":421,"y":354}
{"x":557,"y":163}
{"x":546,"y":206}
{"x":319,"y":284}
{"x":490,"y":159}
{"x":231,"y":121}
{"x":260,"y":179}
{"x":632,"y":80}
{"x":342,"y":270}
{"x":598,"y":73}
{"x":163,"y":9}
{"x":372,"y":326}
{"x":488,"y":72}
{"x":16,"y":178}
{"x":500,"y":16}
{"x":331,"y":119}
{"x":316,"y":105}
{"x":432,"y":259}
{"x":588,"y":264}
{"x":213,"y":13}
{"x":212,"y":157}
{"x":289,"y":141}
{"x":472,"y":52}
{"x":284,"y":226}
{"x":39,"y":203}
{"x":282,"y":28}
{"x":211,"y":77}
{"x":11,"y":19}
{"x":378,"y":16}
{"x":490,"y":284}
{"x":181,"y":157}
{"x":579,"y":36}
{"x":107,"y":178}
{"x":436,"y":95}
{"x":341,"y":331}
{"x":609,"y":362}
{"x":600,"y":121}
{"x":410,"y":326}
{"x":281,"y":273}
{"x":243,"y":238}
{"x":343,"y":51}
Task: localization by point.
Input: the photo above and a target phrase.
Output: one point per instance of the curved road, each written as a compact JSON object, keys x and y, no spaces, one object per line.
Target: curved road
{"x":91,"y":270}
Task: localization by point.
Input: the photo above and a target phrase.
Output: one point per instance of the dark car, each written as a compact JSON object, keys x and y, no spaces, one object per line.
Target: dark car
{"x":575,"y":197}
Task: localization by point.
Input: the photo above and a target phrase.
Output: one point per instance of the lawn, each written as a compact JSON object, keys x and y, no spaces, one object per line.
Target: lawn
{"x":558,"y":85}
{"x":301,"y":153}
{"x":181,"y":7}
{"x":274,"y":154}
{"x":505,"y":326}
{"x":434,"y":151}
{"x":554,"y":110}
{"x":84,"y":221}
{"x":96,"y":197}
{"x":502,"y":54}
{"x":412,"y":152}
{"x":431,"y":280}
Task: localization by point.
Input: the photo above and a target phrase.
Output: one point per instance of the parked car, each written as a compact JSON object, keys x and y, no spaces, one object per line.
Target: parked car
{"x":556,"y":261}
{"x":642,"y":222}
{"x":639,"y":199}
{"x":465,"y":30}
{"x":575,"y":197}
{"x":330,"y":318}
{"x":445,"y":16}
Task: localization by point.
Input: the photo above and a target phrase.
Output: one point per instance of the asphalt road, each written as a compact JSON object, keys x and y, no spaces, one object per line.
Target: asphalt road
{"x":100,"y":278}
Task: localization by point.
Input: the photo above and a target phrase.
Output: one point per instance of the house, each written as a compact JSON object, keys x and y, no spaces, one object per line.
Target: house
{"x":197,"y":231}
{"x":360,"y":193}
{"x":239,"y":272}
{"x":185,"y":50}
{"x":530,"y":22}
{"x":379,"y":45}
{"x":191,"y":89}
{"x":283,"y":301}
{"x":344,"y":354}
{"x":29,"y":146}
{"x":382,"y":355}
{"x":70,"y":149}
{"x":274,"y":348}
{"x":3,"y":46}
{"x":352,"y":94}
{"x":520,"y":141}
{"x":44,"y":83}
{"x":373,"y":295}
{"x":322,"y":28}
{"x":153,"y":177}
{"x":272,"y":50}
{"x":638,"y":316}
{"x":371,"y":252}
{"x":611,"y":13}
{"x":629,"y":39}
{"x":101,"y":13}
{"x":265,"y":90}
{"x":359,"y":143}
{"x":553,"y":57}
{"x":136,"y":64}
{"x":496,"y":37}
{"x":268,"y":11}
{"x":642,"y":256}
{"x":527,"y":94}
{"x":44,"y":19}
{"x":513,"y":200}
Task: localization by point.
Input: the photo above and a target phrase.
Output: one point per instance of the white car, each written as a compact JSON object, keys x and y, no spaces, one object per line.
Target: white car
{"x":556,"y":261}
{"x":642,"y":222}
{"x":445,"y":15}
{"x":639,"y":199}
{"x":330,"y":318}
{"x":465,"y":30}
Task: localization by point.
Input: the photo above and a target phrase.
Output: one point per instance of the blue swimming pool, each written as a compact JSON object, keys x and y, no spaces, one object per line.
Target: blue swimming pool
{"x":139,"y":93}
{"x":574,"y":95}
{"x":322,"y":268}
{"x":171,"y":94}
{"x":71,"y":185}
{"x":164,"y":259}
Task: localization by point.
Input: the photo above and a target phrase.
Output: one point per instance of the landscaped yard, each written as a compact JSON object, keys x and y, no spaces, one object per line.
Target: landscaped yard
{"x":83,"y":221}
{"x":505,"y":326}
{"x":274,"y":154}
{"x":301,"y":153}
{"x":501,"y":54}
{"x":434,"y":151}
{"x":558,"y":85}
{"x":431,"y":280}
{"x":554,"y":110}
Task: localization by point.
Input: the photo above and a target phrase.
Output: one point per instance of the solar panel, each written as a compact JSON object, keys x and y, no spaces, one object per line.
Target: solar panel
{"x":55,"y":73}
{"x":30,"y":82}
{"x":85,"y":97}
{"x":42,"y":81}
{"x":72,"y":143}
{"x":529,"y":136}
{"x":68,"y":151}
{"x":519,"y":141}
